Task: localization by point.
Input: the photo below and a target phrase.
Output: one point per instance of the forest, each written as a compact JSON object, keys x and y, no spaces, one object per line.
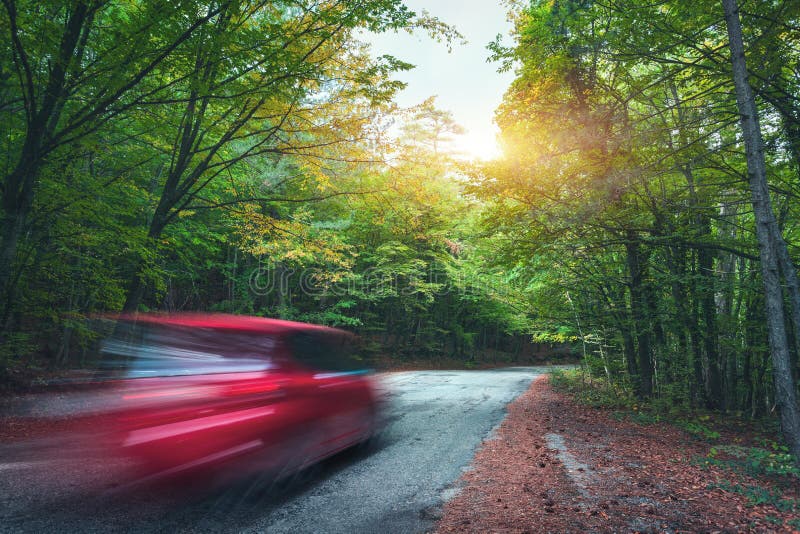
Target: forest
{"x":247,"y":156}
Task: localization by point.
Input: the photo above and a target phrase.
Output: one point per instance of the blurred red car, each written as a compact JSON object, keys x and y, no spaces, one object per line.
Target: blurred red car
{"x":193,"y":391}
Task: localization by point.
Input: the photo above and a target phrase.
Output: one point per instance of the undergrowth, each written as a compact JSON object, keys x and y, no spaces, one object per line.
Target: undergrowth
{"x":756,"y":495}
{"x":599,"y":393}
{"x":590,"y":390}
{"x":768,"y":463}
{"x":754,"y":461}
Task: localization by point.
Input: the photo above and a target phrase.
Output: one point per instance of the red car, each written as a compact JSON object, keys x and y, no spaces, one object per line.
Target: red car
{"x":191,"y":391}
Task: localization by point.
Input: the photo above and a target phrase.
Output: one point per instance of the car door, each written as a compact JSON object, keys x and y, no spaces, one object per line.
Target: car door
{"x":340,"y":392}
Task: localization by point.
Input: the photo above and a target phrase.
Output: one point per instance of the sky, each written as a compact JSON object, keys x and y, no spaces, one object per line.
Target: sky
{"x":465,"y":84}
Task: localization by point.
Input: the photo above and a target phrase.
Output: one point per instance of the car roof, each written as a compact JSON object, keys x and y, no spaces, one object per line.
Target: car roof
{"x":236,"y":323}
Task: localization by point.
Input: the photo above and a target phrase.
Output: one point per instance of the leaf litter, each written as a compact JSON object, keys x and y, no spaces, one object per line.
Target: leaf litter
{"x":558,"y":466}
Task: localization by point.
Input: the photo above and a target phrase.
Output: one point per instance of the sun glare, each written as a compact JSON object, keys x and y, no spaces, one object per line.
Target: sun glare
{"x":476,"y":147}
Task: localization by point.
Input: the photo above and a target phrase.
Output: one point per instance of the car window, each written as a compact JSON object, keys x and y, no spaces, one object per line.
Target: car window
{"x":141,"y":351}
{"x":326,"y":352}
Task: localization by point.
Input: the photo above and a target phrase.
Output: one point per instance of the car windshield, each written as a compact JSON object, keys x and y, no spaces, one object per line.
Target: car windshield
{"x":136,"y":351}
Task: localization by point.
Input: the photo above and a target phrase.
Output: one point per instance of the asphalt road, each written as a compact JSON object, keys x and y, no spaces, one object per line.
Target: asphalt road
{"x":436,"y":419}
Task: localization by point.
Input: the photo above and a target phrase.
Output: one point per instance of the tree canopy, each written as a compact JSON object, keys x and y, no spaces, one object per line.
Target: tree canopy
{"x":630,"y":180}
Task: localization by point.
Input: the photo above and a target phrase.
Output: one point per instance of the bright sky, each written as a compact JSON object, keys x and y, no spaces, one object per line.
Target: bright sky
{"x":465,"y":83}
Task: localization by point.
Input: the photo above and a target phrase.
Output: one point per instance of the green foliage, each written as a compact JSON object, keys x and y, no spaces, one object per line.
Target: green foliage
{"x":595,"y":392}
{"x":698,"y":428}
{"x":754,"y":460}
{"x":236,"y":157}
{"x":757,"y":495}
{"x":14,"y":347}
{"x":589,"y":390}
{"x":614,"y":202}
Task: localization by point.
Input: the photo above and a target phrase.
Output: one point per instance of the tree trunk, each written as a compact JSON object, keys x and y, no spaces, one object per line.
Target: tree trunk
{"x":676,"y":263}
{"x":42,"y":115}
{"x":136,"y":286}
{"x":789,"y":273}
{"x":725,"y":300}
{"x":629,"y":352}
{"x":636,"y":270}
{"x":713,"y":377}
{"x":17,"y":201}
{"x":705,"y":293}
{"x":695,"y":337}
{"x":767,"y":233}
{"x":12,"y":228}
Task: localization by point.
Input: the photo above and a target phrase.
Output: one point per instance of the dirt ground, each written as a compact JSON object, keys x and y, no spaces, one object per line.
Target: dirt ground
{"x":556,"y":466}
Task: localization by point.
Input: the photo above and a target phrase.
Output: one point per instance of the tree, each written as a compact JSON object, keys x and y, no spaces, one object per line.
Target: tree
{"x":768,"y":232}
{"x":73,"y":67}
{"x":269,"y":79}
{"x":623,"y":171}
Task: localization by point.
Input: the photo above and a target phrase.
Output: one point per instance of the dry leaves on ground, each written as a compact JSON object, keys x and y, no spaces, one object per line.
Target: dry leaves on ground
{"x":609,"y":475}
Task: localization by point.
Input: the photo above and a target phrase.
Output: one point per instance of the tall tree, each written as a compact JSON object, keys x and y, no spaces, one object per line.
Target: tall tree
{"x":268,"y":79}
{"x":622,"y":149}
{"x":769,"y":235}
{"x":72,"y":67}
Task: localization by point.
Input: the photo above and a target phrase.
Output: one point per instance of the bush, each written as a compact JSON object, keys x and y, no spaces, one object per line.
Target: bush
{"x":757,"y":495}
{"x":589,"y":390}
{"x":756,"y":460}
{"x":698,"y":429}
